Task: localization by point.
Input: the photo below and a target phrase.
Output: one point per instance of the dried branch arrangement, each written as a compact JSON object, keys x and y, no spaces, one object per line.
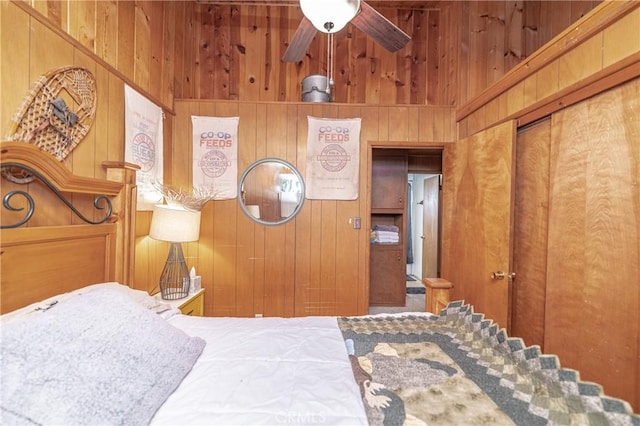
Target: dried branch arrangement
{"x":194,"y":200}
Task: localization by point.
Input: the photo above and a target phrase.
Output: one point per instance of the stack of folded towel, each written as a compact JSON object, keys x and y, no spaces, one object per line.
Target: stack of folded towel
{"x":385,"y":234}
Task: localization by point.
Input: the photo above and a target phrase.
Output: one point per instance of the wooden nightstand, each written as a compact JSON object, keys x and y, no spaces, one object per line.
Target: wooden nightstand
{"x":192,"y":305}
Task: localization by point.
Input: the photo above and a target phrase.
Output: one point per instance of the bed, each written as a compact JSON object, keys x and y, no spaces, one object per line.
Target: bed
{"x":88,"y":349}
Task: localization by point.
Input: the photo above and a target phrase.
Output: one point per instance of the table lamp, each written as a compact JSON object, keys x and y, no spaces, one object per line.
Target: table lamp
{"x":176,"y":225}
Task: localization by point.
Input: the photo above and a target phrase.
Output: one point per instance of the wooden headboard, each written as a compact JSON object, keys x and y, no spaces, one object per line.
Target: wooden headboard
{"x":76,"y":230}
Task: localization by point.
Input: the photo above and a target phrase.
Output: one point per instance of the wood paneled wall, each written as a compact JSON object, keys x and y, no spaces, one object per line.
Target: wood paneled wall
{"x":580,"y":192}
{"x":457,"y":50}
{"x":314,"y":264}
{"x":136,"y":38}
{"x":232,"y":52}
{"x":580,"y":63}
{"x":30,"y":49}
{"x":195,"y":50}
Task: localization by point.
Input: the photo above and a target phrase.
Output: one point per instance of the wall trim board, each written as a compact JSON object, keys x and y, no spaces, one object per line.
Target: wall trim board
{"x":610,"y":77}
{"x":601,"y":17}
{"x":77,"y":45}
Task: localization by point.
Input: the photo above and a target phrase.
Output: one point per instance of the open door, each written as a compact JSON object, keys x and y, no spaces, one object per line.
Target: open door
{"x":477,"y":219}
{"x":430,"y":217}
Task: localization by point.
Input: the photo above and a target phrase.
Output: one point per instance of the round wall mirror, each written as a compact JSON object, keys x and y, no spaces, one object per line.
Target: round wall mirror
{"x":271,"y":191}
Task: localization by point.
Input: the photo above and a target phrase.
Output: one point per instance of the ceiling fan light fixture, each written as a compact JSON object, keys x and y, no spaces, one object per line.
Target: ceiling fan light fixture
{"x":330,"y":16}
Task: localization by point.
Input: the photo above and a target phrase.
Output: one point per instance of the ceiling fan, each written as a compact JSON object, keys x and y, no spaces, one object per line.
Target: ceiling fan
{"x":330,"y":16}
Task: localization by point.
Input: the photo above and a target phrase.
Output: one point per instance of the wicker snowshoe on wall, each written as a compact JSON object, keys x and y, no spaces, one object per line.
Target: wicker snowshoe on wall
{"x":56,"y":114}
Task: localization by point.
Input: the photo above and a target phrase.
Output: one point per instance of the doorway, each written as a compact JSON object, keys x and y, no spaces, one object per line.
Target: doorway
{"x":417,"y":216}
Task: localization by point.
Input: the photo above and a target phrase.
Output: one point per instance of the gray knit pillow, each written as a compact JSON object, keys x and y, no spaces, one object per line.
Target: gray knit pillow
{"x":96,"y":358}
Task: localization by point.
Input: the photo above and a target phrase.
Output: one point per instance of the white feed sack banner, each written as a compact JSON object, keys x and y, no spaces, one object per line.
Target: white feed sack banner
{"x":333,"y":159}
{"x":215,"y":155}
{"x":143,"y":145}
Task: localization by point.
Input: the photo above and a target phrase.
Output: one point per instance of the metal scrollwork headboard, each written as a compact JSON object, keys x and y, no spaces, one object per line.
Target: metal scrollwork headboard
{"x":100,"y":202}
{"x":22,"y":157}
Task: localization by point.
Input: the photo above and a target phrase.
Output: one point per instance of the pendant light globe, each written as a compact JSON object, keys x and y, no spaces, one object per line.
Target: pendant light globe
{"x":330,"y":16}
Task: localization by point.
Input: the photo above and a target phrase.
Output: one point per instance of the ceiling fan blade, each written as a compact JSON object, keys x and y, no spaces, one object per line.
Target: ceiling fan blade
{"x":300,"y":42}
{"x":380,"y":29}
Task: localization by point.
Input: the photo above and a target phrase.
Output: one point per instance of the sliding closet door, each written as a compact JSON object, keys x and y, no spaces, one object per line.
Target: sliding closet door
{"x":530,"y":233}
{"x":593,"y":267}
{"x":477,"y":216}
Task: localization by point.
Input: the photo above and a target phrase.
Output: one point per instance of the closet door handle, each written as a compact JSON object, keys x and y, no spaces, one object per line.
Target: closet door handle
{"x":497,"y":275}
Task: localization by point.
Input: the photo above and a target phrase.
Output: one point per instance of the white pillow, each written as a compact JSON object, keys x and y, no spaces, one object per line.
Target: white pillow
{"x":141,"y":297}
{"x":98,"y":357}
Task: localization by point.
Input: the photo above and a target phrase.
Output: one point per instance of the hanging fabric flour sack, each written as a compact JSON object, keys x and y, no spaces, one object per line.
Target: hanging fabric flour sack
{"x":143,"y":146}
{"x":333,"y":159}
{"x":215,"y":155}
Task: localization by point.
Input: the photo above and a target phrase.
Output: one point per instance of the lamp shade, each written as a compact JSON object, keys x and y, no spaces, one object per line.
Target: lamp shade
{"x":174,"y":224}
{"x":330,"y":16}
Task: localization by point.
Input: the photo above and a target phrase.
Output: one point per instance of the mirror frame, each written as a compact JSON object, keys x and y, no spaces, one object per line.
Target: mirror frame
{"x":285,"y":164}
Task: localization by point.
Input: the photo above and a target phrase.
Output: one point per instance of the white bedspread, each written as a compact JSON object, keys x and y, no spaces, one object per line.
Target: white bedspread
{"x":267,"y":371}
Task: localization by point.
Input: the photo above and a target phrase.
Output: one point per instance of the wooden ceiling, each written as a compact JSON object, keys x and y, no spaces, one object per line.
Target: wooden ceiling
{"x":397,"y":4}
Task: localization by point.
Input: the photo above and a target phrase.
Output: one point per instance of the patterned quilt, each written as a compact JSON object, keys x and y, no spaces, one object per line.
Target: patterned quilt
{"x":460,"y":369}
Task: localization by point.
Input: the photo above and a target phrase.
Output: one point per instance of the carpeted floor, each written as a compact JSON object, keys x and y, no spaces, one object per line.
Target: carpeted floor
{"x":414,"y":301}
